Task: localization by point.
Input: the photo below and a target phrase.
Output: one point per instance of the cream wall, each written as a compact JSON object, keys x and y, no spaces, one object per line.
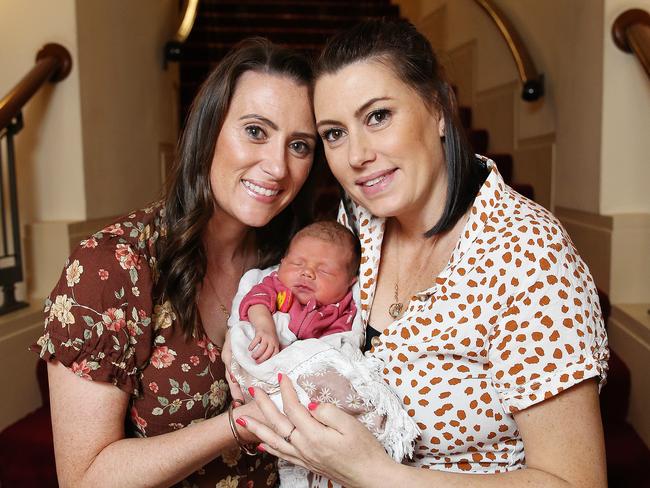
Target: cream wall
{"x":90,"y":146}
{"x":128,"y":102}
{"x":49,"y":149}
{"x":625,"y":147}
{"x":567,"y":48}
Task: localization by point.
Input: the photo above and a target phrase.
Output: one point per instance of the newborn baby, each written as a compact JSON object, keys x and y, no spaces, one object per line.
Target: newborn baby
{"x":312,"y":286}
{"x":300,"y":320}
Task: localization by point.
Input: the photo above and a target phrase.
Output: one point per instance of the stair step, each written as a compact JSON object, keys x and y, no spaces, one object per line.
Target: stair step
{"x":478,"y":139}
{"x":465,"y":116}
{"x":301,"y":2}
{"x":504,"y":164}
{"x":231,"y":35}
{"x":299,"y":7}
{"x":524,"y":189}
{"x":280,"y":19}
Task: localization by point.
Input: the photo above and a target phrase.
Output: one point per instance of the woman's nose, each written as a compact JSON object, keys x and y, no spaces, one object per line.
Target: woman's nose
{"x":359,"y":151}
{"x":275,"y":163}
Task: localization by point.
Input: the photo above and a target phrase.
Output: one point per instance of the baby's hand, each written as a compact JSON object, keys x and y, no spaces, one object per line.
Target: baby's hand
{"x":265,"y":344}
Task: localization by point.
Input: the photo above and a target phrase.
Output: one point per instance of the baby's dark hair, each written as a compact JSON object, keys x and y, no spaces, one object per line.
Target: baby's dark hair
{"x":332,"y":231}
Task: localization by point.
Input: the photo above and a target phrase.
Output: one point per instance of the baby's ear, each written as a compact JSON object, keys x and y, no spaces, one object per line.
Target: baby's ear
{"x":353,"y":280}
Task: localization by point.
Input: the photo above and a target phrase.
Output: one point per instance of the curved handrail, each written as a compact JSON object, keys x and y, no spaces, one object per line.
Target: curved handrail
{"x":531,"y":79}
{"x":631,"y":32}
{"x":53,"y":64}
{"x":173,"y":47}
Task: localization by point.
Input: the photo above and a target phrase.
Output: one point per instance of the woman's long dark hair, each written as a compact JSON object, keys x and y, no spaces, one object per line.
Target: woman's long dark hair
{"x":189,"y":203}
{"x":399,"y":46}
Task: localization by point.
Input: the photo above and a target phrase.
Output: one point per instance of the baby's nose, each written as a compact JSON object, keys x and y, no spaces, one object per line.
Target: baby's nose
{"x":308,"y":272}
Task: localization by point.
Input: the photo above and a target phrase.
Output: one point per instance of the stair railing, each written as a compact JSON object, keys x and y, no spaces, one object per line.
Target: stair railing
{"x":531,"y":79}
{"x":174,"y":48}
{"x":631,"y":32}
{"x":53,"y":64}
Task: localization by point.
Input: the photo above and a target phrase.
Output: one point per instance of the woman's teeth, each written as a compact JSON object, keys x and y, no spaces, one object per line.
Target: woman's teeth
{"x":259,"y":190}
{"x":374,"y":181}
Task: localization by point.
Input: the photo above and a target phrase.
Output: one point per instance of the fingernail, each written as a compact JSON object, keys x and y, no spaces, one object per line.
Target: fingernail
{"x":260,"y":448}
{"x":312,"y":405}
{"x":241,"y":421}
{"x":251,"y":390}
{"x":279,"y":377}
{"x":232,"y":377}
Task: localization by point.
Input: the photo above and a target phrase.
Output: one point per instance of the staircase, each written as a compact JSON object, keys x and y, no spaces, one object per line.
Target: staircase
{"x":303,"y":25}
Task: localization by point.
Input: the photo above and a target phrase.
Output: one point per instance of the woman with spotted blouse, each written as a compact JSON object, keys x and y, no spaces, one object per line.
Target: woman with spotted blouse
{"x":486,"y":318}
{"x":134,"y":328}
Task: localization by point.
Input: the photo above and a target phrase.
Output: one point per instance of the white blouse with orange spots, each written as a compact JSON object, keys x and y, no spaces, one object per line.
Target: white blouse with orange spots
{"x":513,"y":319}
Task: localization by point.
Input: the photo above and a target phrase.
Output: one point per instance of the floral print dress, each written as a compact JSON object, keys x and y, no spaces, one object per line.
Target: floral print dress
{"x":104,"y":320}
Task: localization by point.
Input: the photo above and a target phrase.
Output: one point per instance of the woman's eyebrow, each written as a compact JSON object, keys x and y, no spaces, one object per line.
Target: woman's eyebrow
{"x":307,"y":135}
{"x":274,"y":126}
{"x":357,"y":112}
{"x":362,"y":108}
{"x":261,"y":118}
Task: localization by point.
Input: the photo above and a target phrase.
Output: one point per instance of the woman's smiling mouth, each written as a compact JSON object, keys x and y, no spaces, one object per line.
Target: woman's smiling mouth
{"x":258,"y":191}
{"x":376,"y":182}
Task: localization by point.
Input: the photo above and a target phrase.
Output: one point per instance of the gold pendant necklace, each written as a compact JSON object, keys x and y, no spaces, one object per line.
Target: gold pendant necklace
{"x":396,"y":308}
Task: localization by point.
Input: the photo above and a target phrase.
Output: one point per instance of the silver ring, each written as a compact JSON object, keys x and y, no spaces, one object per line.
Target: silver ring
{"x":287,"y":438}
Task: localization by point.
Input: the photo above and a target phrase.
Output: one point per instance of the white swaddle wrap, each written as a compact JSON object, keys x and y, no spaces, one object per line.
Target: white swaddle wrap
{"x":331,"y":369}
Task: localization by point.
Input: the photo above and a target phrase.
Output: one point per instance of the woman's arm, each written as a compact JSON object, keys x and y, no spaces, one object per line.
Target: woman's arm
{"x":88,"y":424}
{"x":562,"y":436}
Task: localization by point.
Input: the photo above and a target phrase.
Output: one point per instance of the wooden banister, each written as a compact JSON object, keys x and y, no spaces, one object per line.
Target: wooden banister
{"x":53,"y":64}
{"x":533,"y":82}
{"x":631,"y":32}
{"x":173,"y":48}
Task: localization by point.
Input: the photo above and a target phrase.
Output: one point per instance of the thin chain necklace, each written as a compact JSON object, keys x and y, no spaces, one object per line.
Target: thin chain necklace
{"x":221,"y":307}
{"x":396,"y":309}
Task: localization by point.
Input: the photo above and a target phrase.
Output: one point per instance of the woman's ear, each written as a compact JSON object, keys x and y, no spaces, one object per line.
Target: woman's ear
{"x":441,"y":126}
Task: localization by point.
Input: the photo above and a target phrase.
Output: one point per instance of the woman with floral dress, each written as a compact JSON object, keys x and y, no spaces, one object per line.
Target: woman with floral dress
{"x":142,"y":305}
{"x":475,"y":299}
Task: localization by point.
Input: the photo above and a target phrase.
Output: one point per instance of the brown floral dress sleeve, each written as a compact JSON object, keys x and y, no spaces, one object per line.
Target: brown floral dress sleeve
{"x":105,"y":322}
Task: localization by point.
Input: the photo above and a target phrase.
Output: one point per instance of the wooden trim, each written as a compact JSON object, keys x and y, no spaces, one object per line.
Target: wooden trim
{"x":189,"y":16}
{"x":531,"y":79}
{"x":631,"y":33}
{"x":588,"y":219}
{"x":53,"y":64}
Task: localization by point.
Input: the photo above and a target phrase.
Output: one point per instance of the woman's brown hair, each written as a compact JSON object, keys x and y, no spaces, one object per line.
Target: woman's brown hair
{"x":189,"y":203}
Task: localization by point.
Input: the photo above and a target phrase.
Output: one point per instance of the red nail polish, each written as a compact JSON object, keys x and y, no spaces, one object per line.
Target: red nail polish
{"x":232,"y":378}
{"x":251,"y":390}
{"x":313,"y":405}
{"x":279,"y":377}
{"x":260,"y":448}
{"x":241,"y":422}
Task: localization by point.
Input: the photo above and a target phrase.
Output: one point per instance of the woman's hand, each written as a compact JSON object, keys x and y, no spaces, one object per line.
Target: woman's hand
{"x":325,"y":439}
{"x":226,"y":357}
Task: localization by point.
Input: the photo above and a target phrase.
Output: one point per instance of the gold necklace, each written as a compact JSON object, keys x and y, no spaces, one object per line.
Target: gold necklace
{"x":396,"y":309}
{"x":221,"y":307}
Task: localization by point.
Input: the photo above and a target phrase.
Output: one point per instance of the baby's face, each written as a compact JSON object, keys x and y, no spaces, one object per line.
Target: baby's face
{"x":314,"y":268}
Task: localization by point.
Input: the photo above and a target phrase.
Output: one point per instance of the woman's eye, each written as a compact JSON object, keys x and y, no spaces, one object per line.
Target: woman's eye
{"x":378,"y":117}
{"x":300,"y":147}
{"x":332,"y":135}
{"x":255,"y":132}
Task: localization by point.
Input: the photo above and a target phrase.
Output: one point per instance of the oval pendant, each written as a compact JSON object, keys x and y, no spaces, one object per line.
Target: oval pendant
{"x":395,"y":310}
